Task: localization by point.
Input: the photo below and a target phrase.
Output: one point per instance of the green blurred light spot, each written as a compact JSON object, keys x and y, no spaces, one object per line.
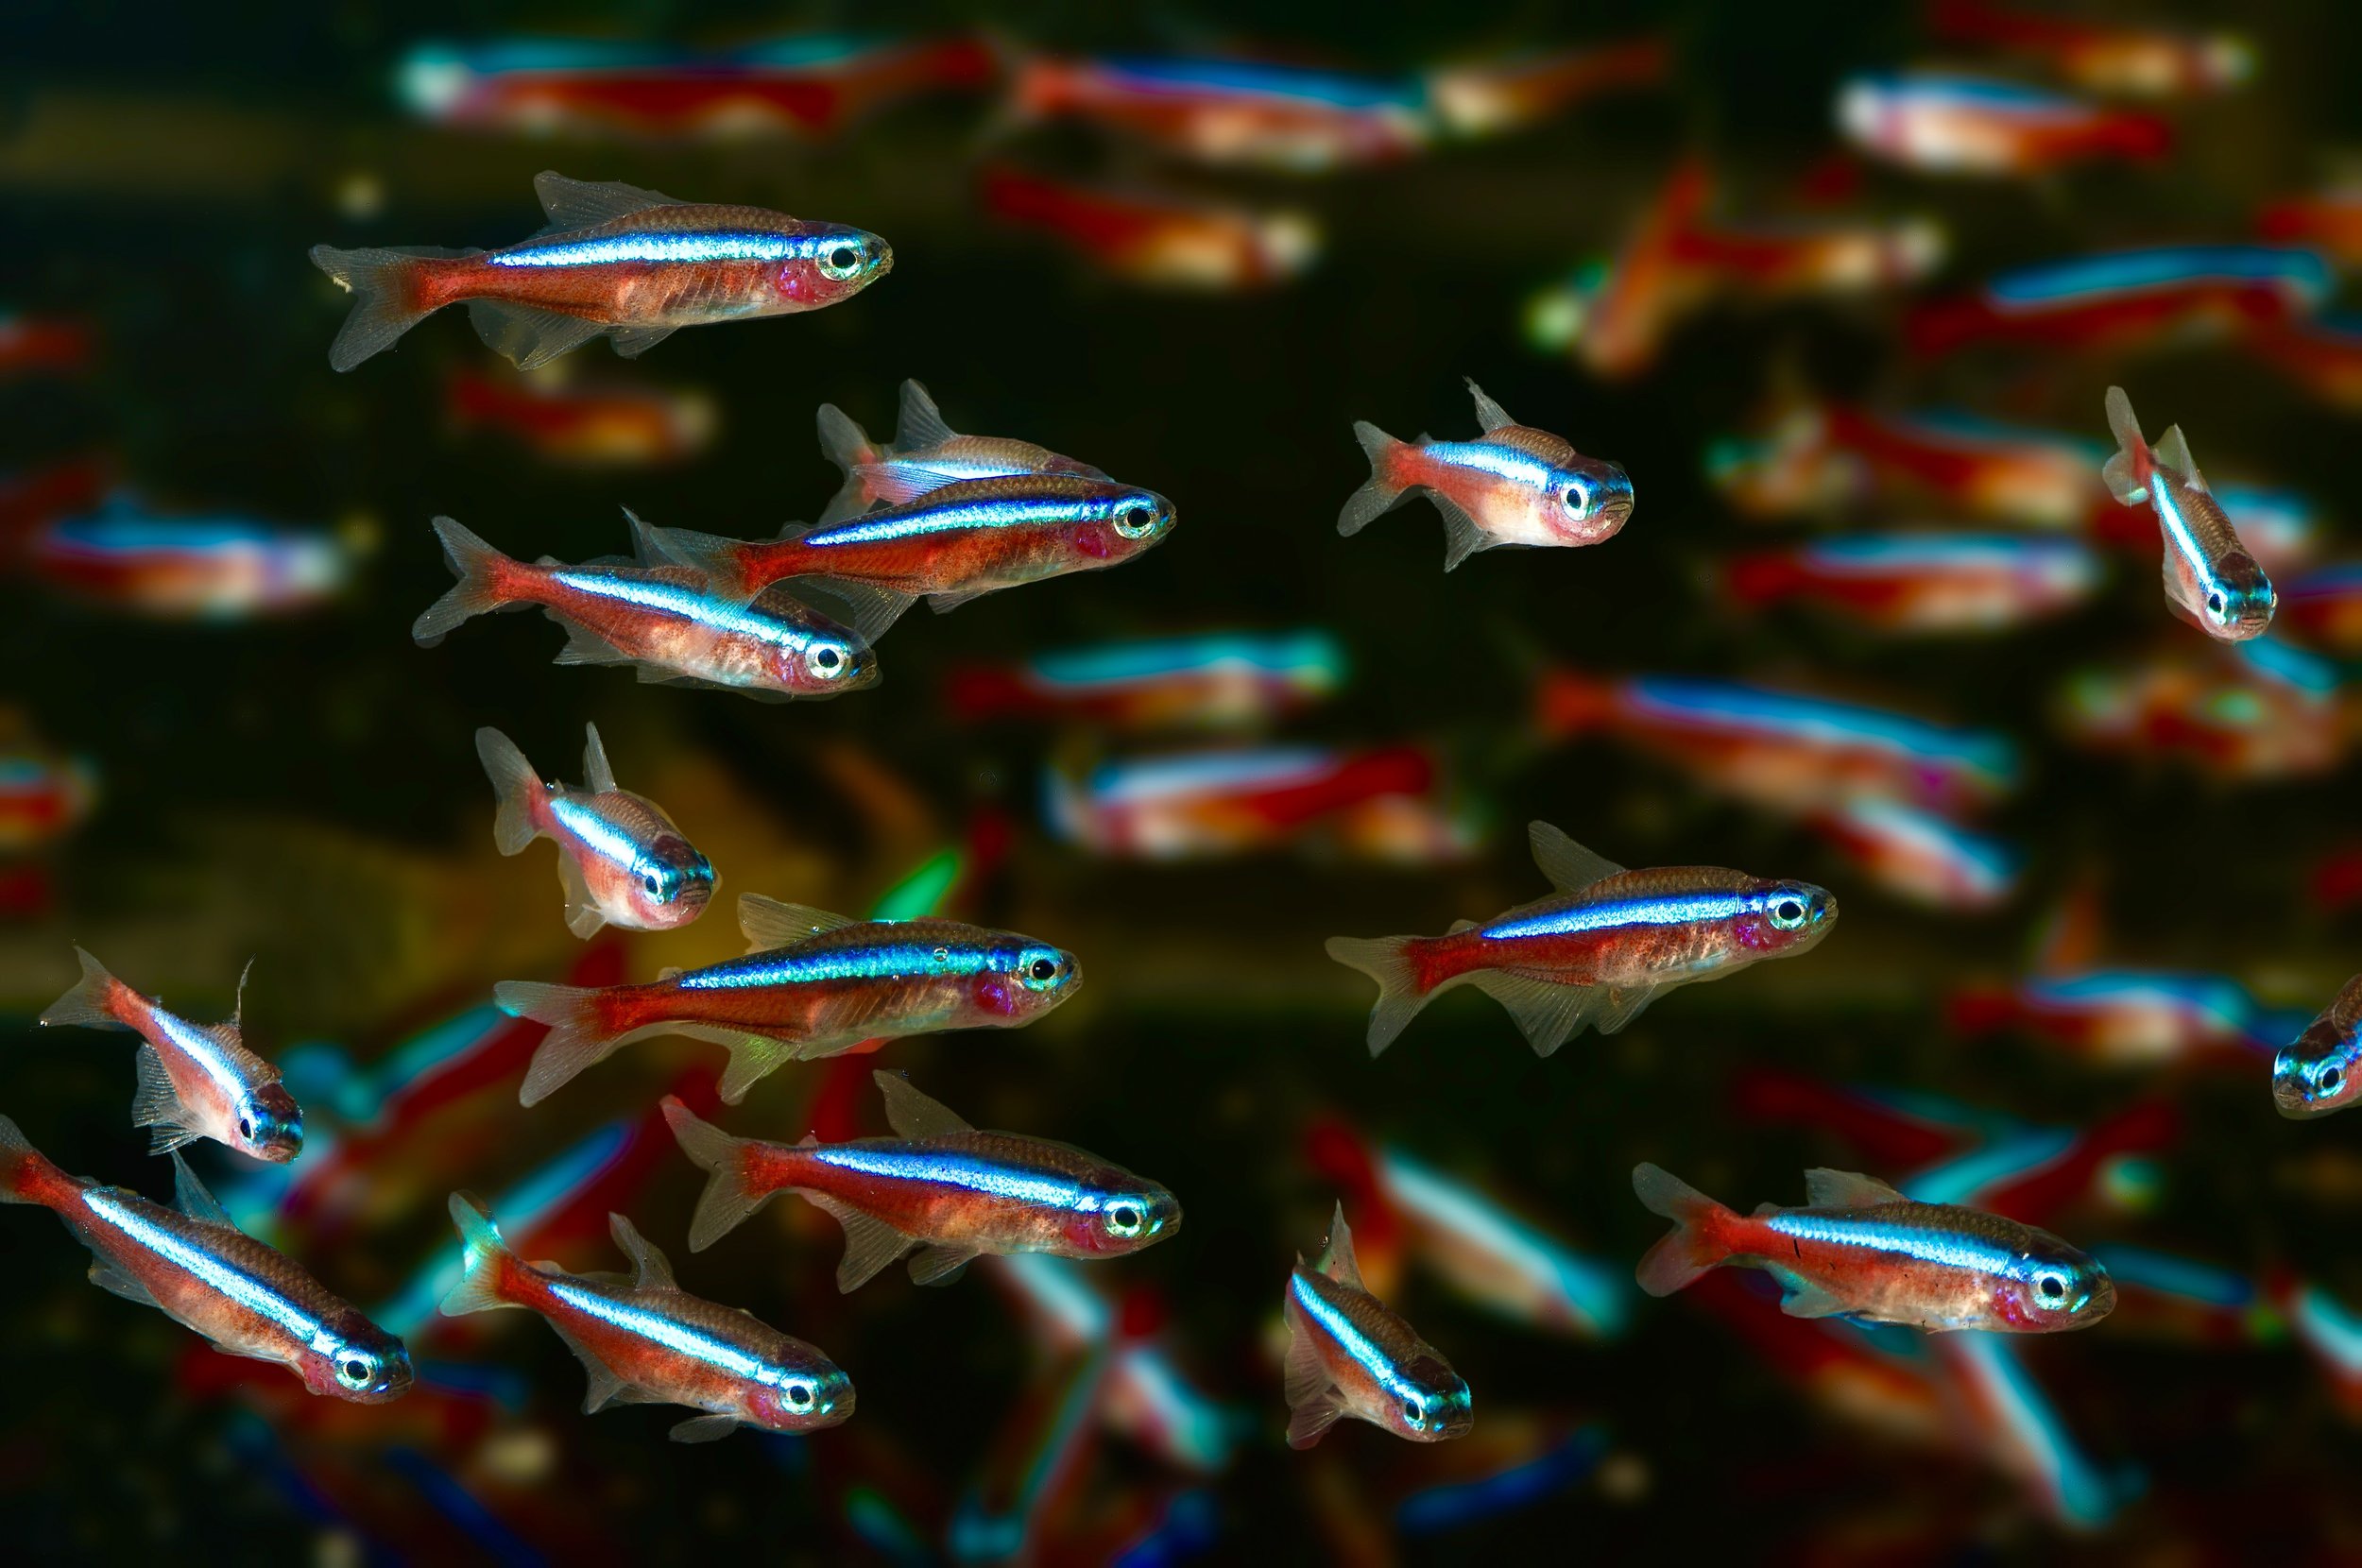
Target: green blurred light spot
{"x":921,"y":893}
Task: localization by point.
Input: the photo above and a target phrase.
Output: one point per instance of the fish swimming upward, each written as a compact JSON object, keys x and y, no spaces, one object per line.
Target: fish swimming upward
{"x":190,"y":1263}
{"x":632,"y":263}
{"x":2211,"y":580}
{"x":2316,"y":1073}
{"x":622,"y":860}
{"x":938,"y":1185}
{"x":1348,"y":1355}
{"x":1596,"y":951}
{"x":923,"y":445}
{"x":645,"y":1340}
{"x":1514,"y":485}
{"x":811,"y":984}
{"x":1861,"y":1250}
{"x":195,"y":1081}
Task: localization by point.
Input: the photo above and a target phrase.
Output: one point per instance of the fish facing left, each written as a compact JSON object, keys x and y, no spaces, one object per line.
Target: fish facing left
{"x":645,"y":1340}
{"x":634,"y":264}
{"x":193,"y":1264}
{"x":196,"y":1081}
{"x":1348,"y":1355}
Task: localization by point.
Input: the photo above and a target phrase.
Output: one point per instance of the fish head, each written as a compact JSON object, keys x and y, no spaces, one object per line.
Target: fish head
{"x":354,"y":1359}
{"x":1023,"y":979}
{"x":804,"y":1397}
{"x":270,"y":1124}
{"x":1430,"y":1401}
{"x":1116,"y":1212}
{"x":1591,"y":499}
{"x":1786,"y":917}
{"x":2050,"y":1287}
{"x":670,"y":883}
{"x":823,"y":659}
{"x":2316,"y":1073}
{"x":1125,"y":521}
{"x":2238,"y":604}
{"x":842,"y":261}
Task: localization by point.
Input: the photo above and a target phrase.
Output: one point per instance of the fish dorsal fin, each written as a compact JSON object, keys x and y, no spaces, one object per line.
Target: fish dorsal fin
{"x":1491,"y":415}
{"x":596,"y":776}
{"x":585,"y":203}
{"x":1844,"y":1189}
{"x":2173,"y":451}
{"x":921,"y":425}
{"x":190,"y":1197}
{"x":898,"y":481}
{"x":1569,"y":866}
{"x":650,"y":1270}
{"x":1459,"y":926}
{"x":235,"y":1023}
{"x":767,"y":923}
{"x":1337,"y":1260}
{"x":912,"y":1115}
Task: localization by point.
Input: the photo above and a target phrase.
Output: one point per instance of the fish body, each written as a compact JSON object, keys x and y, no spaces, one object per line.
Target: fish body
{"x":633,"y":264}
{"x":622,"y":860}
{"x":44,"y":793}
{"x":1493,"y":97}
{"x":2122,"y":1016}
{"x":1831,"y":456}
{"x":1923,"y":583}
{"x":811,"y":984}
{"x":2316,"y":1073}
{"x":1159,"y":241}
{"x":1600,"y":949}
{"x":1514,"y":485}
{"x":1945,"y":123}
{"x":1349,"y":1354}
{"x":591,"y":425}
{"x":181,"y":567}
{"x":645,"y":1340}
{"x":1861,"y":1250}
{"x":938,"y":1185}
{"x":1919,"y":855}
{"x":2127,"y":61}
{"x":2210,"y":579}
{"x":2281,"y":715}
{"x":192,"y":1264}
{"x":1230,"y":802}
{"x":195,"y":1081}
{"x":669,"y":620}
{"x":1233,"y":112}
{"x":2126,"y":299}
{"x":925,"y":451}
{"x":1220,"y":680}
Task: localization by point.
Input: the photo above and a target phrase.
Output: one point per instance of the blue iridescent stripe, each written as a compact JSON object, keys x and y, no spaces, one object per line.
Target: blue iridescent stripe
{"x":1950,"y":1249}
{"x":655,"y":245}
{"x":939,"y":1167}
{"x":1363,"y":1350}
{"x":659,"y":1329}
{"x":602,"y":836}
{"x":688,"y":604}
{"x":911,"y":521}
{"x":1519,"y":467}
{"x":1664,"y":909}
{"x":879,"y":961}
{"x":193,"y":1259}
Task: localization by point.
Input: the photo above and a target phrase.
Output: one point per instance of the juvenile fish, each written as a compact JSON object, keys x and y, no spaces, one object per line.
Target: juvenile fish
{"x":667,"y":620}
{"x":195,"y":1081}
{"x":193,"y":1264}
{"x":645,"y":1340}
{"x":2211,"y":580}
{"x":1514,"y":485}
{"x":2314,"y":1074}
{"x":1599,"y":950}
{"x":1348,"y":1355}
{"x":811,"y":984}
{"x":621,"y":859}
{"x":923,"y":447}
{"x":938,"y":1185}
{"x":634,"y":264}
{"x":1860,"y":1248}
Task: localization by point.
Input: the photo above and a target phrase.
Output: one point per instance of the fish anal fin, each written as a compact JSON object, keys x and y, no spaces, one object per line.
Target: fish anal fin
{"x":1547,"y":1012}
{"x":1623,"y":1006}
{"x":939,"y":1264}
{"x":1310,"y":1421}
{"x":528,"y":336}
{"x":870,"y":1243}
{"x":585,"y":646}
{"x":118,"y":1281}
{"x":705,"y":1428}
{"x":1462,"y":537}
{"x":631,"y":342}
{"x":1801,"y":1298}
{"x":943,"y":603}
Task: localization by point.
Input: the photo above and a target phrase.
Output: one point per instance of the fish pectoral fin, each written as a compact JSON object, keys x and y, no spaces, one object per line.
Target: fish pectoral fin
{"x":631,"y":342}
{"x":1845,"y":1189}
{"x":120,"y":1282}
{"x":1549,"y":1012}
{"x":912,"y":1115}
{"x":870,"y":1243}
{"x":605,"y":1386}
{"x":583,"y":914}
{"x":1569,"y":866}
{"x":585,"y":646}
{"x":769,"y":923}
{"x":1307,"y":1378}
{"x":1312,"y":1419}
{"x":1623,"y":1006}
{"x":1801,"y":1298}
{"x":944,"y":603}
{"x":529,"y":337}
{"x":190,"y":1197}
{"x":166,"y":1136}
{"x":868,"y":609}
{"x":705,"y":1428}
{"x":1462,"y":537}
{"x":155,"y":1102}
{"x":939,"y":1264}
{"x":585,"y":203}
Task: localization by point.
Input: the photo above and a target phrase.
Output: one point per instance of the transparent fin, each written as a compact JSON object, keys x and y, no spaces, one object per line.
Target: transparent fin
{"x":481,"y":1255}
{"x":1623,"y":1006}
{"x":155,"y":1102}
{"x":920,"y":426}
{"x":166,"y":1136}
{"x":869,"y":610}
{"x":585,"y":203}
{"x":530,"y":338}
{"x":1387,"y":960}
{"x":1307,"y":1377}
{"x":899,"y":482}
{"x":705,"y":1428}
{"x":912,"y":1115}
{"x":190,"y":1197}
{"x":2173,"y":451}
{"x":1569,"y":866}
{"x":631,"y":342}
{"x":585,"y":646}
{"x":583,"y":914}
{"x":476,"y":565}
{"x":725,"y":1201}
{"x":1377,"y":495}
{"x":1337,"y":1260}
{"x":597,"y":776}
{"x":1845,"y":1189}
{"x":515,"y":789}
{"x":384,"y":295}
{"x":1489,"y":414}
{"x":85,"y":1001}
{"x":117,"y":1281}
{"x":1549,"y":1012}
{"x":1804,"y":1298}
{"x":1310,"y":1421}
{"x":939,"y":1264}
{"x":1689,"y":1249}
{"x":2117,"y":473}
{"x":943,"y":604}
{"x":753,"y":1058}
{"x":845,"y":443}
{"x":768,"y":923}
{"x":1462,"y":537}
{"x":870,"y":1243}
{"x":650,"y":1268}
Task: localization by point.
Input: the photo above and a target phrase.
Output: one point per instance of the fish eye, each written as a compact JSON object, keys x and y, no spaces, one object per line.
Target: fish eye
{"x":1413,"y":1412}
{"x":843,"y":262}
{"x":1124,"y":1218}
{"x":1135,"y":521}
{"x":355,"y":1369}
{"x":1578,"y":497}
{"x":2052,"y":1287}
{"x":1787,"y":913}
{"x":2329,"y":1078}
{"x":245,"y":1128}
{"x":799,"y":1396}
{"x":2214,"y":603}
{"x":1042,"y":968}
{"x":650,"y":882}
{"x":827,"y":662}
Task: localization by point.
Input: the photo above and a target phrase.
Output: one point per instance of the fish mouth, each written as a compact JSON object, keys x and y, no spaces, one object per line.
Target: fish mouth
{"x":2293,"y":1091}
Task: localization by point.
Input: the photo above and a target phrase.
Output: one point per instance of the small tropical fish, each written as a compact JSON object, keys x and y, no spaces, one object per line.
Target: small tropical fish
{"x":2267,"y":711}
{"x":1861,"y":1250}
{"x":1348,"y":1355}
{"x":177,"y":567}
{"x":2130,"y":299}
{"x":1945,"y":123}
{"x":1514,"y":485}
{"x":1205,"y":804}
{"x":2131,"y":61}
{"x":938,"y":1185}
{"x":667,"y":620}
{"x":1491,"y":97}
{"x":925,"y":451}
{"x":1217,"y":680}
{"x":645,"y":1340}
{"x":1233,"y":112}
{"x":634,"y":264}
{"x":811,"y":984}
{"x":1926,"y":583}
{"x":46,"y":794}
{"x":193,"y":1082}
{"x":1599,"y":950}
{"x":1159,"y":241}
{"x":621,"y":859}
{"x":193,"y":1264}
{"x":948,"y":539}
{"x":2123,"y":1017}
{"x":2316,"y":1073}
{"x":1921,"y":855}
{"x":2211,"y":580}
{"x":588,"y":423}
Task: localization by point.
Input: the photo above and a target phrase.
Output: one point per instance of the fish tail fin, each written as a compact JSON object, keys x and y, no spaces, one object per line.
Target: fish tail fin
{"x":2128,"y":471}
{"x":1693,"y":1246}
{"x":484,"y":1258}
{"x":725,"y":1201}
{"x":85,"y":1002}
{"x":478,"y":591}
{"x":580,"y":1034}
{"x":27,"y":1175}
{"x":1379,"y":494}
{"x":515,"y":785}
{"x":385,"y":285}
{"x":1389,"y":960}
